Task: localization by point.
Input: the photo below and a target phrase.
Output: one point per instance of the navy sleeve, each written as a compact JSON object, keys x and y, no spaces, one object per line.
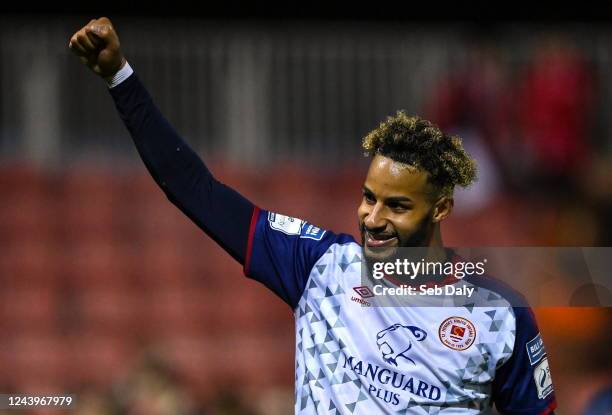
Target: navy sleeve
{"x":523,"y":384}
{"x":283,"y":250}
{"x":217,"y":209}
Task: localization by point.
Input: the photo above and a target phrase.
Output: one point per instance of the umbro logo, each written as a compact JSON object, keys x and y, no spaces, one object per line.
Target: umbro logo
{"x":364,"y":292}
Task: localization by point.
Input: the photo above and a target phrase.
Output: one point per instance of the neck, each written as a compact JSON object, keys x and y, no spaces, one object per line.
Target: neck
{"x":436,"y":237}
{"x":436,"y":251}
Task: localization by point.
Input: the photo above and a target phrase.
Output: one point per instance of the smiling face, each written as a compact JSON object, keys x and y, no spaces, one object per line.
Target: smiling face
{"x":399,"y":208}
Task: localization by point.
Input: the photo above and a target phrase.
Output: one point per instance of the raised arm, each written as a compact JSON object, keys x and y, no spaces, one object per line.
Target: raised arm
{"x":217,"y":209}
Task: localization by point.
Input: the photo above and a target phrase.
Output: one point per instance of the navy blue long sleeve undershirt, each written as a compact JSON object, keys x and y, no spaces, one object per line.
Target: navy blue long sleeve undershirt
{"x":220,"y":211}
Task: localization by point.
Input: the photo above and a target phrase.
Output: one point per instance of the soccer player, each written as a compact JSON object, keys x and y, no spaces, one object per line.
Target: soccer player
{"x":351,"y":358}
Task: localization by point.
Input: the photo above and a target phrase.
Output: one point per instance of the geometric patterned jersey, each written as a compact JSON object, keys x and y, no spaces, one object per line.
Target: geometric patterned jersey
{"x":353,"y":357}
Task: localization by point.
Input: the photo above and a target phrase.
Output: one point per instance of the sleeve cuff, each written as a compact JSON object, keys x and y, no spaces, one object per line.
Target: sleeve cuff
{"x":121,"y":75}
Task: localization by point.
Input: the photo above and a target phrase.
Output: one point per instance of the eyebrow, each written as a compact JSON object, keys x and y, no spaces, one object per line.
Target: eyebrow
{"x":391,"y":198}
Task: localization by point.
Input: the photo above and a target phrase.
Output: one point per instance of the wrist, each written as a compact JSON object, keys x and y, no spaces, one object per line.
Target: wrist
{"x":124,"y":72}
{"x":108,"y":78}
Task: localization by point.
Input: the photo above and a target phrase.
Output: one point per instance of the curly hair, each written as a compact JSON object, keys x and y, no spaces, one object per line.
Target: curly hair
{"x":419,"y":143}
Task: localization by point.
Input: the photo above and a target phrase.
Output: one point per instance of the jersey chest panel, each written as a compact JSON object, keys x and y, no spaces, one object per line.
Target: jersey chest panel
{"x":354,"y":357}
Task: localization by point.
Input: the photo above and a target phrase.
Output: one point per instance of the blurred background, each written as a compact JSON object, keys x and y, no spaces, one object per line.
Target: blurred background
{"x":108,"y":292}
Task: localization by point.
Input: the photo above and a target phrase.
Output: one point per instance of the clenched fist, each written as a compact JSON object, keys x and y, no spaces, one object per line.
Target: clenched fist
{"x":97,"y":46}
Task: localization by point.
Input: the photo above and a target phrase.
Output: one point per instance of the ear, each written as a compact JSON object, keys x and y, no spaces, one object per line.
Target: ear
{"x":442,"y":208}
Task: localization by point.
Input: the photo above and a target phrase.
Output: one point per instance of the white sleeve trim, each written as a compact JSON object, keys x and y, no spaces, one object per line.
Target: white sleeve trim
{"x":121,"y":75}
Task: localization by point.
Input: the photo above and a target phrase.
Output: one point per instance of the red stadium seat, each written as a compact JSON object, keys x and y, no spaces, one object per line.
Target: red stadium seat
{"x":95,"y":263}
{"x":110,"y":312}
{"x":28,"y":310}
{"x":28,"y":263}
{"x":37,"y":363}
{"x":91,"y":205}
{"x":99,"y":359}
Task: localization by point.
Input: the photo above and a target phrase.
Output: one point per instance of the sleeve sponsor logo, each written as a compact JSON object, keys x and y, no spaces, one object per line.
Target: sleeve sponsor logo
{"x":543,"y":380}
{"x":310,"y":231}
{"x":285,"y":224}
{"x":535,"y":349}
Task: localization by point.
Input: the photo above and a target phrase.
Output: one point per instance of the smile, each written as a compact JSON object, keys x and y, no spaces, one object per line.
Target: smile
{"x":380,"y":241}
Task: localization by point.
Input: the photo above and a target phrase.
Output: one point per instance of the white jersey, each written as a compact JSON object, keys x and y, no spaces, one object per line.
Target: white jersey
{"x":355,"y":357}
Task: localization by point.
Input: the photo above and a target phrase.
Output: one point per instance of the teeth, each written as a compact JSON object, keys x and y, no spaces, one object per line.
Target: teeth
{"x":378,"y":238}
{"x":372,"y":241}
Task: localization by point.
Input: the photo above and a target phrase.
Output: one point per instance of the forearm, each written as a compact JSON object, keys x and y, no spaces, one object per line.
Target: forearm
{"x":217,"y":209}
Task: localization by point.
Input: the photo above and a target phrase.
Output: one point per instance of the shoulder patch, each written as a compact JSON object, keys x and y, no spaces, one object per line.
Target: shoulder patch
{"x":285,"y":224}
{"x":535,"y":349}
{"x":311,"y":232}
{"x":543,"y":380}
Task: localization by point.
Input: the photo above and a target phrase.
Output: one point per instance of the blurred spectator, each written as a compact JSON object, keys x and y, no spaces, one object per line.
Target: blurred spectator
{"x":94,"y":402}
{"x":472,"y":101}
{"x":153,"y":389}
{"x":555,"y":106}
{"x":596,"y":182}
{"x":475,"y":95}
{"x":229,"y":402}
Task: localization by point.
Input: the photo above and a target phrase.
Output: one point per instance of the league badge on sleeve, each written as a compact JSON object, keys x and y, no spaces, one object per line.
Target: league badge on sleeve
{"x":285,"y":224}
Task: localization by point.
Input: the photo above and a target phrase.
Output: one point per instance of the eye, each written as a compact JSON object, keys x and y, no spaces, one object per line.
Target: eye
{"x":398,"y":207}
{"x":369,"y":198}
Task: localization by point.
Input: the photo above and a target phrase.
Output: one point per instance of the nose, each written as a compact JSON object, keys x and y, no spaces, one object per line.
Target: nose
{"x":375,"y":220}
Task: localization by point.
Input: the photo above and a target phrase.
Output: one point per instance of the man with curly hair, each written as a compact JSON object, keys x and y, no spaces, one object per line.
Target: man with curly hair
{"x":352,"y":357}
{"x":409,"y":187}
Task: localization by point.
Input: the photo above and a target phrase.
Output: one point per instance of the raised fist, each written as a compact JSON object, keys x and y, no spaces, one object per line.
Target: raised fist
{"x":97,"y":46}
